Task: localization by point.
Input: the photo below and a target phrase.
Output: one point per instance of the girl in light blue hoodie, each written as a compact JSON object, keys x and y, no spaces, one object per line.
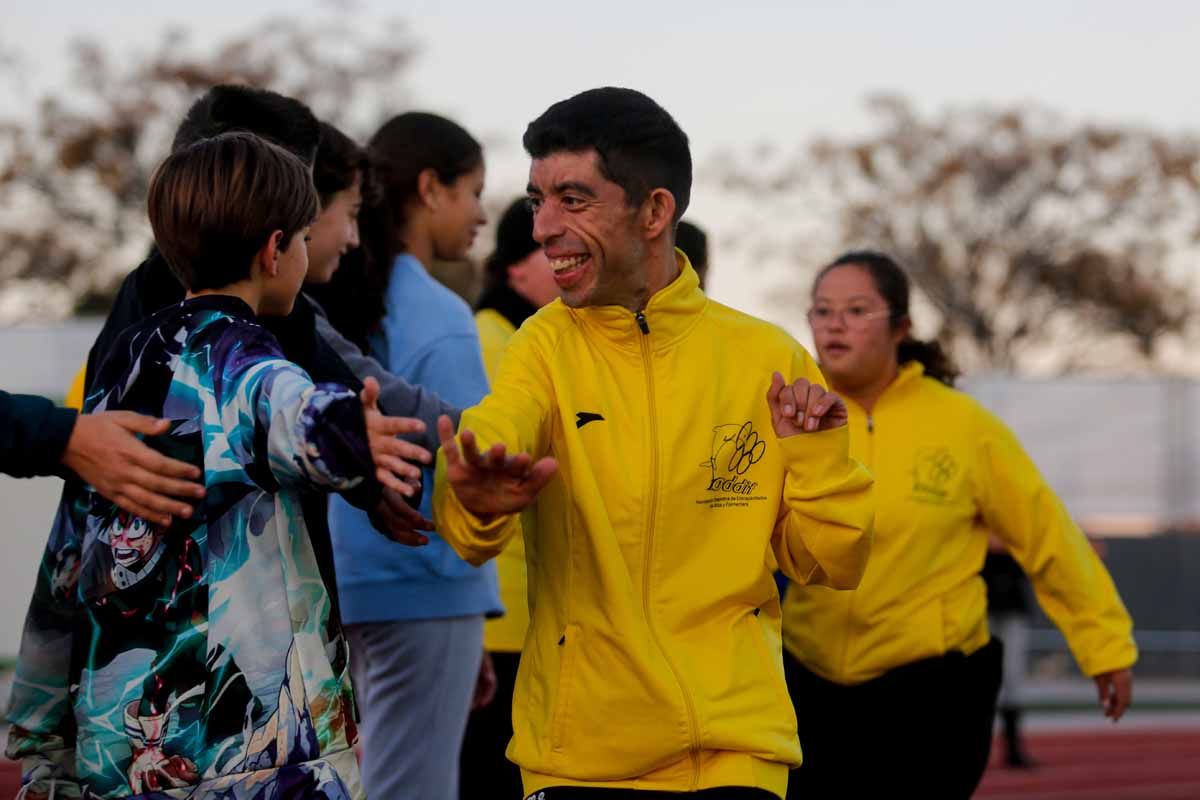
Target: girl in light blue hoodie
{"x":414,"y":616}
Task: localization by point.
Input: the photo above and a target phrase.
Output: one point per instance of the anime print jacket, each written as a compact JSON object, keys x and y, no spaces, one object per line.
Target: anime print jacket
{"x":201,"y":660}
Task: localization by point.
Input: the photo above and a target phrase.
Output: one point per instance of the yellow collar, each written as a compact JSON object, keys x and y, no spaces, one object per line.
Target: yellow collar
{"x":668,"y":316}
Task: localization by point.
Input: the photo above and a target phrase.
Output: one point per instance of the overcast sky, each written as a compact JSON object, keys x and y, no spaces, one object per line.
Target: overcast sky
{"x":733,"y":74}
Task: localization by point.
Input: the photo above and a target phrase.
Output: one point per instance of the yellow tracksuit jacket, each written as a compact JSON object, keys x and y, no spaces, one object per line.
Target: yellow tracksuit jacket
{"x":947,"y":471}
{"x":654,"y":656}
{"x":504,"y":634}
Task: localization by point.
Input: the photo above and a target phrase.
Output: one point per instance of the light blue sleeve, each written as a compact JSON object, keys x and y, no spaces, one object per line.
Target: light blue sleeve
{"x":452,"y":367}
{"x":448,"y":361}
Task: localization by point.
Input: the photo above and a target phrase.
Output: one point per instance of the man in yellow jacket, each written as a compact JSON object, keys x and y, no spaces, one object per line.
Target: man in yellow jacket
{"x":666,"y":485}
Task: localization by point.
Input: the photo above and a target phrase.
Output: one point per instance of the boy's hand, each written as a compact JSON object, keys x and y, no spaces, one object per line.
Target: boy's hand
{"x":803,"y":407}
{"x":399,"y":521}
{"x":388,"y":452}
{"x":105,"y":452}
{"x":492,"y":482}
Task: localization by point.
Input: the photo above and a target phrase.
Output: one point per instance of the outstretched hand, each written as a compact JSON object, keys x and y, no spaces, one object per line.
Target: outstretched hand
{"x":803,"y":407}
{"x":493,"y":482}
{"x":392,"y":455}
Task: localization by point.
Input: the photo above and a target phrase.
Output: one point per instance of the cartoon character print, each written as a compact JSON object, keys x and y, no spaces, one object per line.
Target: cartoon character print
{"x":156,"y":598}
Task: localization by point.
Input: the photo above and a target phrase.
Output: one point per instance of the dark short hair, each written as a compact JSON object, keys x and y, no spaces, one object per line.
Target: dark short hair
{"x":639,"y":145}
{"x":514,"y":242}
{"x":694,"y":242}
{"x":215,"y":203}
{"x":226,"y":107}
{"x":339,"y":161}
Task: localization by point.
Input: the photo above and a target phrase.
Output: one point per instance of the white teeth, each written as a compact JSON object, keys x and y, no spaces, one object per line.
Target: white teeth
{"x":569,"y":262}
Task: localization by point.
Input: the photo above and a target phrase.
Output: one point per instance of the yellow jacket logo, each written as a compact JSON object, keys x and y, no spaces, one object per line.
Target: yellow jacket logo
{"x":735,"y":449}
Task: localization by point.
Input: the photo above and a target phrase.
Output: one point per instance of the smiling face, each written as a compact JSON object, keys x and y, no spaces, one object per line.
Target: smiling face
{"x":852,"y":328}
{"x":588,"y":230}
{"x":334,"y":233}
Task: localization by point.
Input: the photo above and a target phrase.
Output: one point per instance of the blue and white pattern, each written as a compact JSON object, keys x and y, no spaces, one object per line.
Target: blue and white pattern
{"x":198,"y":660}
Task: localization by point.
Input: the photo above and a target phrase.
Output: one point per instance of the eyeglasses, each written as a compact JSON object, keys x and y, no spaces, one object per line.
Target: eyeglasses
{"x":853,"y":318}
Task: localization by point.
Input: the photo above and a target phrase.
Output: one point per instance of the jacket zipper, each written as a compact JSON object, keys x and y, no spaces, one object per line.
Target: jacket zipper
{"x":644,"y":340}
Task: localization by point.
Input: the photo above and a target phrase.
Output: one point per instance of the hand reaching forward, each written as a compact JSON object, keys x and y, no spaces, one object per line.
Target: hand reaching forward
{"x":492,"y":482}
{"x":803,"y":407}
{"x":388,"y":452}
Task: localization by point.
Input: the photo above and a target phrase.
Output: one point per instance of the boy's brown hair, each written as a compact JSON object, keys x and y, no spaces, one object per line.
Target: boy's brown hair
{"x":214,"y":204}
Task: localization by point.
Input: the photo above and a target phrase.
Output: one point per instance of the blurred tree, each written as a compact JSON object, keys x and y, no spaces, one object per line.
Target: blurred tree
{"x":1038,"y":244}
{"x":73,"y":182}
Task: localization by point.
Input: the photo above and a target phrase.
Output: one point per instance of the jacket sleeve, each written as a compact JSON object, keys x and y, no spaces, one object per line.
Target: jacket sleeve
{"x":516,"y":413}
{"x":823,"y":533}
{"x":33,"y":435}
{"x":42,"y":732}
{"x":1071,"y":583}
{"x":397,"y":397}
{"x":287,"y":430}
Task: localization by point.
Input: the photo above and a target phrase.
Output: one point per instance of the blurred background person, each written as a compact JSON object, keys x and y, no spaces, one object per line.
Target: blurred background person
{"x":903,"y":668}
{"x":518,"y":281}
{"x":693,"y":241}
{"x":414,"y":616}
{"x":1009,"y":615}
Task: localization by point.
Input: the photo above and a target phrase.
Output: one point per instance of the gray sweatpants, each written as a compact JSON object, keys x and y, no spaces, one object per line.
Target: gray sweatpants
{"x":414,"y":681}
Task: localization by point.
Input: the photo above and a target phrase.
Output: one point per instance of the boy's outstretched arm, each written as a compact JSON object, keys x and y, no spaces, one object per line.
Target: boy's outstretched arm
{"x":317,"y":435}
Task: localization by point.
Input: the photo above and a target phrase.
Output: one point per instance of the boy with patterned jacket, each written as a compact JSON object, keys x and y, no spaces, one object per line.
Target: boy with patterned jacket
{"x":199,"y":659}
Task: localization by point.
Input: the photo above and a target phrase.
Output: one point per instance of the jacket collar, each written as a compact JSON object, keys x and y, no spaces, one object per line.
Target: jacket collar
{"x":909,"y":375}
{"x":669,"y":315}
{"x":225,"y":303}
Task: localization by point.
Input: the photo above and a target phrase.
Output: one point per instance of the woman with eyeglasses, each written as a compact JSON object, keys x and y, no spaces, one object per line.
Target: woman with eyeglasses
{"x":895,"y":682}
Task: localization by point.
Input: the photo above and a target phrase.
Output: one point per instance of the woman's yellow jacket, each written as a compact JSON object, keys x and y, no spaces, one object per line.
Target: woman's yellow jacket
{"x":947,"y":472}
{"x":653,"y":658}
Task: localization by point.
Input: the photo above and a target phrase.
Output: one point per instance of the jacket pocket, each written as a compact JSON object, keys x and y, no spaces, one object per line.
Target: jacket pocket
{"x":772,"y":662}
{"x":568,"y":646}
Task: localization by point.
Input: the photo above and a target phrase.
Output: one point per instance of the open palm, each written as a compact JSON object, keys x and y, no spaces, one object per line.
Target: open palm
{"x":492,"y":482}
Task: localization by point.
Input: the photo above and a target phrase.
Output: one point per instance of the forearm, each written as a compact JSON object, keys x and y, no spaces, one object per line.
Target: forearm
{"x":823,"y":534}
{"x":1077,"y":593}
{"x":476,"y":539}
{"x":33,"y":435}
{"x":315,"y":435}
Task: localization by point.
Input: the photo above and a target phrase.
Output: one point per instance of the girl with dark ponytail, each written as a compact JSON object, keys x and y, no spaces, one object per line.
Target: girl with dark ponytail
{"x":414,"y":614}
{"x":901,"y":673}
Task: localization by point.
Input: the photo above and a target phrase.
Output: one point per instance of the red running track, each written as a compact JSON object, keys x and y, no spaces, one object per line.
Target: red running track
{"x":1102,"y":765}
{"x":1085,"y":765}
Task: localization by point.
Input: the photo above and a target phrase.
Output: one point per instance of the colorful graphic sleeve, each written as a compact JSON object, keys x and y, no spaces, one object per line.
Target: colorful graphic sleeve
{"x":306,"y":434}
{"x":42,"y":736}
{"x":823,"y":534}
